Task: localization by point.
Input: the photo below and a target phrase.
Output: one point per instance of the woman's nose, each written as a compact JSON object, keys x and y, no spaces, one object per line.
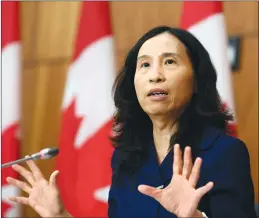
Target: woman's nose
{"x":156,"y":75}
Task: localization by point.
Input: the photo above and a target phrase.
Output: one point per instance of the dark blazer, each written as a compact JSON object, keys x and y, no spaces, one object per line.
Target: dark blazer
{"x":225,"y":162}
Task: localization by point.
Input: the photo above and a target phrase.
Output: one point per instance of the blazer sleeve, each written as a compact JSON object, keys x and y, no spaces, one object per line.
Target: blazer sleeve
{"x":112,"y":203}
{"x":233,"y":192}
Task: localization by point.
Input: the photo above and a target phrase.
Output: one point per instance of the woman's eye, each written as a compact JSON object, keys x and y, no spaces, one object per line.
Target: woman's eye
{"x":144,"y":65}
{"x":169,"y":61}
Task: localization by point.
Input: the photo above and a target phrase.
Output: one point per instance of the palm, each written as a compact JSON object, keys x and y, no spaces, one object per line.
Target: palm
{"x":180,"y":196}
{"x":44,"y":196}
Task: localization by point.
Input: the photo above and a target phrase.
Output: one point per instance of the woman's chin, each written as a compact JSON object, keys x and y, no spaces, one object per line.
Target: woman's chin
{"x":157,"y":112}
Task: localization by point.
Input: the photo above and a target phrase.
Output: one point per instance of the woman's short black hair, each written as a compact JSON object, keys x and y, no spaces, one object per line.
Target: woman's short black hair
{"x":132,"y":126}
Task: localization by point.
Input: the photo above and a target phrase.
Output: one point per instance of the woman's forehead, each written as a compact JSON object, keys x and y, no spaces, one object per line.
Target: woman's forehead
{"x":160,"y":44}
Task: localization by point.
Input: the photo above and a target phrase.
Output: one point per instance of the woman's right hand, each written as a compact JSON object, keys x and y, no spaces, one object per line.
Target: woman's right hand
{"x":44,"y":196}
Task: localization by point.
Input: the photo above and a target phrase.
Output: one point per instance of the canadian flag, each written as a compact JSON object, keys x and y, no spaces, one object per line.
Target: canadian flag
{"x":85,"y":149}
{"x":205,"y":20}
{"x":11,"y":71}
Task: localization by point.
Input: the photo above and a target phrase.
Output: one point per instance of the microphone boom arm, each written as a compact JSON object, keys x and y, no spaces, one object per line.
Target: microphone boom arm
{"x":16,"y":162}
{"x":43,"y":154}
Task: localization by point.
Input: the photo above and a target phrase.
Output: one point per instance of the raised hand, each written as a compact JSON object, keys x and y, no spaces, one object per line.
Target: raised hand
{"x":180,"y":196}
{"x":44,"y":196}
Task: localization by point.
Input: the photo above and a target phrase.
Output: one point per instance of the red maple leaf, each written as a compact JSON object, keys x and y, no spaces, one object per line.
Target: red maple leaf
{"x":94,"y":171}
{"x":84,"y":169}
{"x":10,"y":152}
{"x":67,"y":158}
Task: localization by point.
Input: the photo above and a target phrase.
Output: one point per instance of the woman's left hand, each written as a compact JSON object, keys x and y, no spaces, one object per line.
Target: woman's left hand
{"x":180,"y":196}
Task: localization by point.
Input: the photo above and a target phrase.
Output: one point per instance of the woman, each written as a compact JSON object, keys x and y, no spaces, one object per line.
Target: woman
{"x":169,"y":120}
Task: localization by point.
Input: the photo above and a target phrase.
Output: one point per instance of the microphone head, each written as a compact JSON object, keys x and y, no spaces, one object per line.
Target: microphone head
{"x":53,"y":151}
{"x":48,"y":153}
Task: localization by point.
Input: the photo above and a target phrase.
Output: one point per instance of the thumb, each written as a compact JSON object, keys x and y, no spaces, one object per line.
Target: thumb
{"x":204,"y":189}
{"x":150,"y":191}
{"x":53,"y":179}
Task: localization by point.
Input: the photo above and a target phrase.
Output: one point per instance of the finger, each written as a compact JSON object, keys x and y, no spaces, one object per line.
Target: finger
{"x":177,"y":165}
{"x":150,"y":191}
{"x":22,"y":185}
{"x":34,"y":169}
{"x":195,"y":174}
{"x":187,"y":163}
{"x":19,"y":200}
{"x":53,"y":179}
{"x":205,"y":189}
{"x":24,"y":173}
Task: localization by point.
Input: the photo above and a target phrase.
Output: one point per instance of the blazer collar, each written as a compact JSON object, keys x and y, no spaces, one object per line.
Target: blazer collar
{"x":209,"y":136}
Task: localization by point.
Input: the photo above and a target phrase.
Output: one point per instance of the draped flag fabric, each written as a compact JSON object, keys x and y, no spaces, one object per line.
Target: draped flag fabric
{"x":10,"y":94}
{"x":205,"y":20}
{"x":85,"y":149}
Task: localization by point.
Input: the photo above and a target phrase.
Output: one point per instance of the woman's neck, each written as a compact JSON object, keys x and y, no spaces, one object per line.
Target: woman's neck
{"x":163,"y":128}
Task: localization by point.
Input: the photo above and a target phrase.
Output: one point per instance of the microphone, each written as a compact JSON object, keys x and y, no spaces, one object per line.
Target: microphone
{"x":46,"y":153}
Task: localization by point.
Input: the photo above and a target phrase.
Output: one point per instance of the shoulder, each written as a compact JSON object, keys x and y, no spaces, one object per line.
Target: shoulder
{"x":217,"y":145}
{"x":213,"y":137}
{"x":226,"y":163}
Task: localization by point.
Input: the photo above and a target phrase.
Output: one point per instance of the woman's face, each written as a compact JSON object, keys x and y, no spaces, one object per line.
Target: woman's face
{"x":163,"y":79}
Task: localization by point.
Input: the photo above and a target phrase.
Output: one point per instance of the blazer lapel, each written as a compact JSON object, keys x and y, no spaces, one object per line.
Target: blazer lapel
{"x":209,"y":136}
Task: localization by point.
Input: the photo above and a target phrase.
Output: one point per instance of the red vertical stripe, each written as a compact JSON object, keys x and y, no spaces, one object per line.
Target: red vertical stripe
{"x":10,"y":22}
{"x":10,"y":152}
{"x":77,"y":181}
{"x":10,"y":144}
{"x":94,"y":23}
{"x":193,"y":12}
